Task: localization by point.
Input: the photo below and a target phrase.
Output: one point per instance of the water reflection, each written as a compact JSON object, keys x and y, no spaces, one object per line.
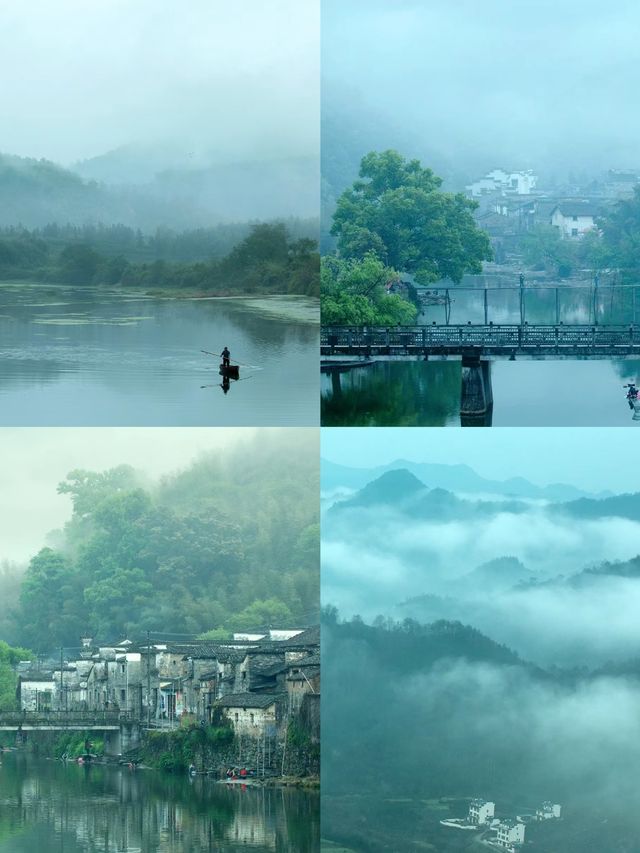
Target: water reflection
{"x":537,"y":303}
{"x":47,"y":806}
{"x":393,"y":394}
{"x":86,"y":357}
{"x":567,"y":392}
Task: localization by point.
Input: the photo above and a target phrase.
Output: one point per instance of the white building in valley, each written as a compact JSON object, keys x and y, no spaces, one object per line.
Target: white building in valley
{"x":510,"y":832}
{"x":504,"y":183}
{"x":574,"y":218}
{"x":35,"y":691}
{"x":548,"y":811}
{"x":481,"y":812}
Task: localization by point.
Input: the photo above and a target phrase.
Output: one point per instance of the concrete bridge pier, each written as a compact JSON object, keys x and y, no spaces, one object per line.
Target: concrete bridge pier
{"x":476,"y":393}
{"x":112,"y":743}
{"x":130,"y":736}
{"x":126,"y":738}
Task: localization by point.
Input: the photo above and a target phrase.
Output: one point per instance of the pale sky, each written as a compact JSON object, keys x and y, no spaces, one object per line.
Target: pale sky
{"x":82,"y":77}
{"x":594,"y":459}
{"x":530,"y":83}
{"x":33,"y":461}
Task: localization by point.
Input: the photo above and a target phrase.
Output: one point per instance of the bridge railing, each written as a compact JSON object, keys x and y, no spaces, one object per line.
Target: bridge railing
{"x":515,"y":336}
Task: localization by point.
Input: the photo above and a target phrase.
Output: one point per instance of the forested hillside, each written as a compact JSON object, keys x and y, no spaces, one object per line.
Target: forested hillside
{"x":444,"y":711}
{"x":231,"y":543}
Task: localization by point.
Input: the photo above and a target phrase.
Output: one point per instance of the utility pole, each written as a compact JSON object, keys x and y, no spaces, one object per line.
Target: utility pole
{"x":61,"y":673}
{"x":148,"y":683}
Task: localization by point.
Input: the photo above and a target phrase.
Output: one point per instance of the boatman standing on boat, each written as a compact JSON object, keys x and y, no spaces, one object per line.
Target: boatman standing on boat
{"x":226,"y":357}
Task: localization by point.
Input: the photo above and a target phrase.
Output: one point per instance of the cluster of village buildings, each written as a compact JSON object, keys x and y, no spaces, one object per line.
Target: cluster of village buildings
{"x":512,"y":202}
{"x":256,"y":681}
{"x":509,"y":833}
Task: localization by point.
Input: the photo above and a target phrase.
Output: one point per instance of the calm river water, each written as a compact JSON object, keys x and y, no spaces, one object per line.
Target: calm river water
{"x":525,"y":393}
{"x":87,"y":356}
{"x":49,"y":807}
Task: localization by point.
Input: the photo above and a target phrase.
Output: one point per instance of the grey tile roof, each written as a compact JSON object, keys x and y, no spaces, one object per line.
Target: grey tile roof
{"x":311,"y":660}
{"x":248,"y":700}
{"x":309,"y":637}
{"x":576,"y":208}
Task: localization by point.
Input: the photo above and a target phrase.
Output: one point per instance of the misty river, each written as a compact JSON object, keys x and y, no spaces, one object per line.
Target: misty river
{"x":74,"y":356}
{"x":56,"y":808}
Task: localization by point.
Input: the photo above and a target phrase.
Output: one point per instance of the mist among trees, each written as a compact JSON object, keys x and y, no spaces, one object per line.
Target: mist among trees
{"x":230,"y":543}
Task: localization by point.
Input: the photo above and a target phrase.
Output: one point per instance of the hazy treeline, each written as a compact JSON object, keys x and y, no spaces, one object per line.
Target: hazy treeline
{"x":267,"y":260}
{"x":230,"y":543}
{"x":163,"y":244}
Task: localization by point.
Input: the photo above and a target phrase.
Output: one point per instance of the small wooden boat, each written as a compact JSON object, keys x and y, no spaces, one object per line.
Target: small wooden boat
{"x":231,"y":371}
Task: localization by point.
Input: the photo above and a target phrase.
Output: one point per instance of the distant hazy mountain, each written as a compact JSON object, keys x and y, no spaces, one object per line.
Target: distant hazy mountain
{"x":146,"y":190}
{"x":36,"y":192}
{"x":454,"y":478}
{"x":136,"y":164}
{"x":416,"y":647}
{"x":401,"y":491}
{"x":392,"y":487}
{"x":498,"y":574}
{"x":618,"y":568}
{"x":619,"y":506}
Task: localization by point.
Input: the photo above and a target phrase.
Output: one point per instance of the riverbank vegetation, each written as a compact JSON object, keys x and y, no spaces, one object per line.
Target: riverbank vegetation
{"x":267,"y":258}
{"x":73,"y":744}
{"x":197,"y":551}
{"x":395,"y":221}
{"x":174,"y":751}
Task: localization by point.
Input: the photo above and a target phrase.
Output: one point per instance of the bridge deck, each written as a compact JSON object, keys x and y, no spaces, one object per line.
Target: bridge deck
{"x":501,"y":340}
{"x":62,"y":721}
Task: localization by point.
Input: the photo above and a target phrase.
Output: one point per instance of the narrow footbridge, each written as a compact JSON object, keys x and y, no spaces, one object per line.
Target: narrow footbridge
{"x":509,"y":341}
{"x":57,"y":721}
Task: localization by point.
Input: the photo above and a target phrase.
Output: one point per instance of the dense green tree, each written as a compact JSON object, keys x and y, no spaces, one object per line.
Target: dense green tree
{"x":88,"y":489}
{"x":50,"y":602}
{"x":264,"y":614}
{"x":353,"y":293}
{"x":117,"y":601}
{"x":397,"y":211}
{"x":621,"y":235}
{"x":9,"y":657}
